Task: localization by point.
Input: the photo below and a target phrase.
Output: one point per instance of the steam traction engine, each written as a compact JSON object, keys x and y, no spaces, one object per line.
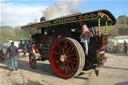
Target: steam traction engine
{"x":58,"y":40}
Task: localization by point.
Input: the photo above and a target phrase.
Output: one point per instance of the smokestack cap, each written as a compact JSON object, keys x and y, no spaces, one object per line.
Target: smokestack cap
{"x":42,"y":19}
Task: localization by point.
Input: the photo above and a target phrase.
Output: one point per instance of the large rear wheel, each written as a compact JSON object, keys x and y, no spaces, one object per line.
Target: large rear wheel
{"x":67,"y":57}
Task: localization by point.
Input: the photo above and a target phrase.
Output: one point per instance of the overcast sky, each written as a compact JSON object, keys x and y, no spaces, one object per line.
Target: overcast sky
{"x":21,"y":12}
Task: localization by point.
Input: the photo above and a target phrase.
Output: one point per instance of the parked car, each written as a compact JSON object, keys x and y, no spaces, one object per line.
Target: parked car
{"x":24,"y":43}
{"x":6,"y":44}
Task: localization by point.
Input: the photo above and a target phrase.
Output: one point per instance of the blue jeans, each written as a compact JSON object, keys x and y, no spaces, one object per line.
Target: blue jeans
{"x":13,"y":62}
{"x":86,"y":43}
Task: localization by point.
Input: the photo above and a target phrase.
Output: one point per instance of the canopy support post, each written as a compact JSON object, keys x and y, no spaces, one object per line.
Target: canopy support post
{"x":99,"y":26}
{"x":106,"y":31}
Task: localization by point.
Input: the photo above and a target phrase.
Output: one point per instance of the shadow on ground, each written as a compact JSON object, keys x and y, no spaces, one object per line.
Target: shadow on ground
{"x":41,"y":68}
{"x":80,"y":77}
{"x":120,"y":54}
{"x":122,"y":83}
{"x":108,"y":67}
{"x":4,"y":67}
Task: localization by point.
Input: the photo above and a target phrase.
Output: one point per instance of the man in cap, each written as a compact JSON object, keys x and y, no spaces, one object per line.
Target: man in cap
{"x":13,"y":53}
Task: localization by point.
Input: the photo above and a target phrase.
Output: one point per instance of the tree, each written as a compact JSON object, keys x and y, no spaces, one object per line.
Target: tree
{"x":122,"y":20}
{"x":9,"y":33}
{"x":127,"y":20}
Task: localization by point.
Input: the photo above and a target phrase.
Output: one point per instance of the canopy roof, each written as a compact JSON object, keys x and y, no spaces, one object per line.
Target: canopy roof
{"x":90,"y":18}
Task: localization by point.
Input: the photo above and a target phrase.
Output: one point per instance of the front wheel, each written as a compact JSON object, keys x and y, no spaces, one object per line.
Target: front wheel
{"x":32,"y":60}
{"x":67,"y":57}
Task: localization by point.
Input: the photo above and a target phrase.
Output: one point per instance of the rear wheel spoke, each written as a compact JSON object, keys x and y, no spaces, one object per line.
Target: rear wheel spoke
{"x":65,"y":44}
{"x":59,"y":51}
{"x":71,"y":55}
{"x":68,"y":49}
{"x":64,"y":68}
{"x":71,"y":61}
{"x":72,"y":67}
{"x":54,"y":52}
{"x":72,"y":58}
{"x":68,"y":67}
{"x":72,"y":50}
{"x":66,"y":71}
{"x":58,"y":45}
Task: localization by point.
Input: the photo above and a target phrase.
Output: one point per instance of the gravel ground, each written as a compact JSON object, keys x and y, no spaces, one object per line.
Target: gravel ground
{"x":114,"y":72}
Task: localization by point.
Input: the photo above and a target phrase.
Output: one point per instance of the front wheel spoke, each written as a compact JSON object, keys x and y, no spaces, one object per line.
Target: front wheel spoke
{"x":31,"y":59}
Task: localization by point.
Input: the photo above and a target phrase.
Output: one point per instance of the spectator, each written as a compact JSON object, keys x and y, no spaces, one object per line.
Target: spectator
{"x":125,"y":47}
{"x":2,"y":55}
{"x":25,"y":50}
{"x":13,"y":53}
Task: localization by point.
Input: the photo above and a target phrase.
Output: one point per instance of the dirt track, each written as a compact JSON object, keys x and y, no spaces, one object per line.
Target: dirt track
{"x":114,"y":72}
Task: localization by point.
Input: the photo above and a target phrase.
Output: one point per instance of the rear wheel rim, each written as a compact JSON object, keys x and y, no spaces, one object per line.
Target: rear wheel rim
{"x":64,"y":58}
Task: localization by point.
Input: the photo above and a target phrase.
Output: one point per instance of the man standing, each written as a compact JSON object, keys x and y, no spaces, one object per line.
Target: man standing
{"x":85,"y":36}
{"x":125,"y":47}
{"x":25,"y":50}
{"x":13,"y":53}
{"x":2,"y":58}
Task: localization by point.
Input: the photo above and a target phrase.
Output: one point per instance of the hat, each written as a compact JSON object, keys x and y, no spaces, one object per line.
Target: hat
{"x":12,"y":42}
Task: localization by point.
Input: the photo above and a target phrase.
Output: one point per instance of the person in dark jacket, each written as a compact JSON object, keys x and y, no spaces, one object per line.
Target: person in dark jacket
{"x":2,"y":55}
{"x":13,"y":53}
{"x":25,"y":50}
{"x":125,"y":47}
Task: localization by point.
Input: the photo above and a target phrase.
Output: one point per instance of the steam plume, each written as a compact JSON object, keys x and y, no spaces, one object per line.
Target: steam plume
{"x":61,"y":8}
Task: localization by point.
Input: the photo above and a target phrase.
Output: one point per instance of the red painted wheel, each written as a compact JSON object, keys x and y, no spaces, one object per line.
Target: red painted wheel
{"x":67,"y":58}
{"x":32,"y":60}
